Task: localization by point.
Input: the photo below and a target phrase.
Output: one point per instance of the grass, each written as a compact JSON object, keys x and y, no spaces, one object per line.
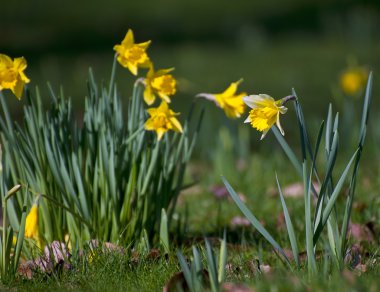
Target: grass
{"x":116,"y":272}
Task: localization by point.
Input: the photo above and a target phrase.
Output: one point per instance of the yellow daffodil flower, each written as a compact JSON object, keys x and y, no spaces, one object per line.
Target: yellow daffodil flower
{"x":353,"y":80}
{"x":31,"y":224}
{"x":265,"y":112}
{"x":12,"y":74}
{"x":131,"y":55}
{"x":229,"y":101}
{"x":159,"y":83}
{"x":162,"y":119}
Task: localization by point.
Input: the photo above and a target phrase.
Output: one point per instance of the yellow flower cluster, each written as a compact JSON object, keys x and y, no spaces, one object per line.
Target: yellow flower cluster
{"x":12,"y":74}
{"x":158,"y":83}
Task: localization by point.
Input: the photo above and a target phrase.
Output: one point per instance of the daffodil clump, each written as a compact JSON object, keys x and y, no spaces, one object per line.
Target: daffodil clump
{"x":12,"y":74}
{"x":158,"y":83}
{"x":111,"y":176}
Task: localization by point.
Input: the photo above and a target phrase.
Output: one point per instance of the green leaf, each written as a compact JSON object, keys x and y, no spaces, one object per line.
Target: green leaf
{"x":288,"y":151}
{"x":289,"y":226}
{"x":212,"y":271}
{"x":260,"y":228}
{"x":21,"y":232}
{"x":185,"y":270}
{"x":164,"y":236}
{"x":222,"y":258}
{"x":312,"y":266}
{"x":331,"y":201}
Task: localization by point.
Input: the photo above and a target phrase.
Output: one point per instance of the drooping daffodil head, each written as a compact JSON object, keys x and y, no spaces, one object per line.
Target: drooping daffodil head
{"x":162,"y":119}
{"x":265,"y":112}
{"x":131,"y":55}
{"x":12,"y":74}
{"x":229,"y":101}
{"x":159,"y":83}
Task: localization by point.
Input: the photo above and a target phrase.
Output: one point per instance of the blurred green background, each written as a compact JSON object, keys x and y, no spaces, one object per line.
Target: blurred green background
{"x":273,"y":45}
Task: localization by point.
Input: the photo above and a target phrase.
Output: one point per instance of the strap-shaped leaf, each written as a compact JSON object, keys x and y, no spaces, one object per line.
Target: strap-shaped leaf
{"x":259,"y":227}
{"x":289,"y":226}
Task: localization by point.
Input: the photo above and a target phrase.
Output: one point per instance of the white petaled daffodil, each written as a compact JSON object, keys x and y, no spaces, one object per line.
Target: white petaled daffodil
{"x":265,"y":112}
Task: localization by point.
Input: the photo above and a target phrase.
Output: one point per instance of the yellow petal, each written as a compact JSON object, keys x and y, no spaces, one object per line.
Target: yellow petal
{"x":152,"y":111}
{"x":132,"y":68}
{"x":20,"y":64}
{"x":164,"y":97}
{"x":18,"y":89}
{"x":119,"y":49}
{"x":230,"y":91}
{"x":129,"y":39}
{"x":149,"y":125}
{"x":144,"y":45}
{"x":31,"y":224}
{"x":6,"y":60}
{"x":163,"y":107}
{"x":163,"y":72}
{"x":148,"y":95}
{"x":160,"y":133}
{"x":176,"y":125}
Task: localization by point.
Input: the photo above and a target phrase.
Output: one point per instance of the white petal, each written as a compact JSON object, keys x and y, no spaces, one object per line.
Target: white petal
{"x":253,"y":101}
{"x":264,"y":134}
{"x":208,"y":96}
{"x":279,"y":125}
{"x":283,"y":109}
{"x":247,"y":120}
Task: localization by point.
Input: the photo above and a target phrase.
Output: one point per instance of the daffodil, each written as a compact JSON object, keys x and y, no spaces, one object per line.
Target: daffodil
{"x":353,"y":80}
{"x":159,"y":83}
{"x":131,"y":55}
{"x":31,"y":224}
{"x":162,"y":119}
{"x":12,"y":74}
{"x":229,"y":101}
{"x":265,"y":112}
